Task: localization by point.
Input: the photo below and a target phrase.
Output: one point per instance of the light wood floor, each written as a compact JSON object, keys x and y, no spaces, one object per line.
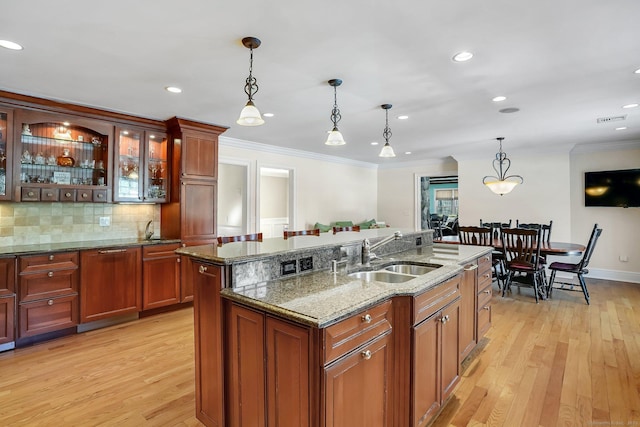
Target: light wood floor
{"x":559,"y":362}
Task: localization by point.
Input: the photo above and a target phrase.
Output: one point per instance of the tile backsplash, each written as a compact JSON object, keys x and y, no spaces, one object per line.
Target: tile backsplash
{"x":41,"y":223}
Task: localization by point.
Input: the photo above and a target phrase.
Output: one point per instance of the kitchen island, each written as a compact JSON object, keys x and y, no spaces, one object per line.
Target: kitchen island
{"x":323,"y":348}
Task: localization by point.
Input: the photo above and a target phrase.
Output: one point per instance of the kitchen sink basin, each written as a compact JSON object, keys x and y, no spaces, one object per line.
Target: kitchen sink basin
{"x":413,"y":269}
{"x":381,"y":276}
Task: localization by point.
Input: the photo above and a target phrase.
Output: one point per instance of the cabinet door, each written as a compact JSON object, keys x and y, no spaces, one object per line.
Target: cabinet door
{"x":210,"y":398}
{"x":128,"y":164}
{"x":199,"y":155}
{"x":6,"y":151}
{"x":160,"y":276}
{"x":426,"y":370}
{"x":110,"y":282}
{"x":288,"y":369}
{"x":246,"y":363}
{"x":450,"y":349}
{"x":197,"y":210}
{"x":358,"y":387}
{"x":7,"y":275}
{"x":156,"y":172}
{"x":468,"y":298}
{"x":7,"y":319}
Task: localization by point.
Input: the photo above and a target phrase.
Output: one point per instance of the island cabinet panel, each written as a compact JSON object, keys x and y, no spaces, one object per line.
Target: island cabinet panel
{"x":485,"y":292}
{"x":111,"y":283}
{"x":358,"y":388}
{"x":47,"y":292}
{"x":7,"y":299}
{"x":268,"y":370}
{"x":160,"y":276}
{"x":208,"y":279}
{"x":468,"y":312}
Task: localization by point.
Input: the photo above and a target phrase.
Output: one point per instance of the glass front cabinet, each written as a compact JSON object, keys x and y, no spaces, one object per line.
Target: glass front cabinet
{"x":140,"y":166}
{"x":6,"y":120}
{"x":61,"y":158}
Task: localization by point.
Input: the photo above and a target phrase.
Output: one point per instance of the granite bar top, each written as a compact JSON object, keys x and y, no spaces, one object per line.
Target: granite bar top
{"x":322,"y":298}
{"x":85,"y":245}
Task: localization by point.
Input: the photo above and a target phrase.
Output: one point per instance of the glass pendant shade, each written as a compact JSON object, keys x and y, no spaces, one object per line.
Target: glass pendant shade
{"x":387,"y":151}
{"x":335,"y":138}
{"x":250,"y":116}
{"x":501,"y":187}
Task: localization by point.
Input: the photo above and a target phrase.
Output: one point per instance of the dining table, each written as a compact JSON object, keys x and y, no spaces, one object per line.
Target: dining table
{"x":547,"y":248}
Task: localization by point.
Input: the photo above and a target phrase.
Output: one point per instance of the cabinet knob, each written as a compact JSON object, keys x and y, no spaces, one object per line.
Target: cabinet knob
{"x":487,"y":307}
{"x":366,"y":318}
{"x":49,"y":194}
{"x":202,"y":269}
{"x":84,"y":195}
{"x":100,"y":195}
{"x":67,"y":194}
{"x":50,"y":274}
{"x":488,"y":291}
{"x":178,"y":260}
{"x":366,"y":355}
{"x":444,"y":319}
{"x":50,"y":302}
{"x":30,"y":194}
{"x":50,"y":257}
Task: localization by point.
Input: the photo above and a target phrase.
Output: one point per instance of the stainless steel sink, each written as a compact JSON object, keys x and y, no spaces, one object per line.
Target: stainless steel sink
{"x":381,"y":276}
{"x":413,"y":269}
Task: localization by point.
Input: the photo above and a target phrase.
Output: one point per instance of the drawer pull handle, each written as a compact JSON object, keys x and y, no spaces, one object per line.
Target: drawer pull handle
{"x":50,"y":257}
{"x":50,"y":274}
{"x":366,"y":318}
{"x":202,"y":269}
{"x":50,"y":302}
{"x":49,"y":194}
{"x":366,"y":355}
{"x":488,"y":291}
{"x":486,"y":307}
{"x":111,"y":251}
{"x":470,"y":267}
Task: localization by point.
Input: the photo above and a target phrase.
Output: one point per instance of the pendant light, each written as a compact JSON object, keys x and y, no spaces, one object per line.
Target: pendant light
{"x":250,"y":116}
{"x":502,"y":184}
{"x":387,"y":150}
{"x":335,"y":137}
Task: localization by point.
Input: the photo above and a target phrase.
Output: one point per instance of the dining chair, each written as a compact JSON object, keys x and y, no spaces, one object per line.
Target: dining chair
{"x":546,"y":229}
{"x":480,"y":236}
{"x":579,"y":269}
{"x":256,"y":237}
{"x":522,"y":259}
{"x":314,"y":232}
{"x":495,"y":227}
{"x":347,"y":228}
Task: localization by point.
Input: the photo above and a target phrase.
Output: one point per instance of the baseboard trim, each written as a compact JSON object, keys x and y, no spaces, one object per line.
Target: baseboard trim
{"x":619,"y":276}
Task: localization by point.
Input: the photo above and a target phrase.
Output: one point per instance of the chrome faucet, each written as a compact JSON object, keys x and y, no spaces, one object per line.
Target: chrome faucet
{"x":367,"y":247}
{"x":148,"y":232}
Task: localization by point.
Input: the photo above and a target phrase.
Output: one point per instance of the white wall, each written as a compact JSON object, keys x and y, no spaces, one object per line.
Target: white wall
{"x":620,"y":227}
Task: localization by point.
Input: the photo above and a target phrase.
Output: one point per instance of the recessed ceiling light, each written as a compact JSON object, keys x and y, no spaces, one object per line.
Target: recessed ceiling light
{"x":403,"y":117}
{"x":499,"y":98}
{"x":621,"y":128}
{"x":630,"y":106}
{"x":268,"y":115}
{"x":173,"y":89}
{"x":637,"y":71}
{"x":407,"y":152}
{"x":509,"y":110}
{"x":66,"y":123}
{"x":462,"y":56}
{"x":10,"y":45}
{"x":374,"y":143}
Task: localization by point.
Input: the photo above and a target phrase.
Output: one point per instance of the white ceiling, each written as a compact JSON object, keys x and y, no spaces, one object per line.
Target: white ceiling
{"x":563,"y":63}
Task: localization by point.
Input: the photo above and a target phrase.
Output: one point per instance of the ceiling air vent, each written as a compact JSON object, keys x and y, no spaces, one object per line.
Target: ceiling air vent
{"x":611,"y":119}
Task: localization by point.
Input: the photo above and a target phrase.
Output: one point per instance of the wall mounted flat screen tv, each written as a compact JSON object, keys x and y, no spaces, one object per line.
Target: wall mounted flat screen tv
{"x":619,"y":188}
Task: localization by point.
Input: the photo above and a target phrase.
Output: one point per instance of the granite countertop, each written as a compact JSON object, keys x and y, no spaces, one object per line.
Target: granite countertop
{"x":86,"y":245}
{"x":322,"y":298}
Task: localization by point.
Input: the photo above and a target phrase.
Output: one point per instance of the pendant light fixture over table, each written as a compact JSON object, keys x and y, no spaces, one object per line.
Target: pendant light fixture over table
{"x":250,"y":116}
{"x":387,"y":150}
{"x":335,"y":137}
{"x":502,"y":184}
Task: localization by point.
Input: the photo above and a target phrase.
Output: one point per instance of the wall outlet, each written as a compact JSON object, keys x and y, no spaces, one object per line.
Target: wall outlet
{"x":105,"y":221}
{"x":623,"y":258}
{"x":305,"y":264}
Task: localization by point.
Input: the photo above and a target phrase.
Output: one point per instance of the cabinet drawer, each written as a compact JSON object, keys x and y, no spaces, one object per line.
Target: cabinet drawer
{"x":48,"y":284}
{"x":68,"y":195}
{"x":484,"y":319}
{"x":83,"y":195}
{"x":99,"y":196}
{"x":30,"y":194}
{"x":48,"y":315}
{"x":50,"y":194}
{"x":426,"y":304}
{"x":484,"y":296}
{"x":356,"y":330}
{"x":484,"y":264}
{"x":484,"y":279}
{"x":160,"y":251}
{"x":46,"y":262}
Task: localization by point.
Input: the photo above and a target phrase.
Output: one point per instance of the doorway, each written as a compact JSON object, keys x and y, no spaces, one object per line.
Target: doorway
{"x":233,"y":198}
{"x":276,"y":200}
{"x":437,"y":200}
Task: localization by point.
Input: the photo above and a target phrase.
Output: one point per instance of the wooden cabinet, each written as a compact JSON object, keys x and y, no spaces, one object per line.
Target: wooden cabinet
{"x":61,"y":157}
{"x":160,"y":275}
{"x":435,"y":356}
{"x":484,"y":294}
{"x":268,"y":370}
{"x":47,"y":293}
{"x":191,"y":213}
{"x":7,"y":299}
{"x":468,"y":312}
{"x":141,"y":165}
{"x":208,"y":279}
{"x":111,"y":283}
{"x":6,"y":152}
